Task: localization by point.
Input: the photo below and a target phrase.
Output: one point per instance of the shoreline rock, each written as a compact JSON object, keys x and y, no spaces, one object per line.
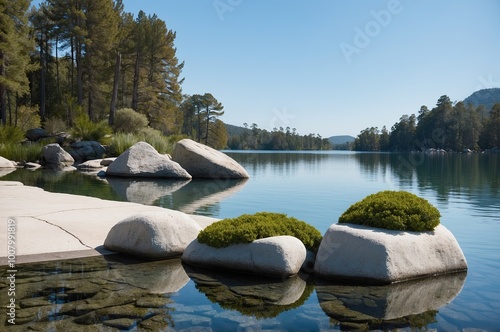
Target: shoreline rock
{"x":366,"y":254}
{"x":153,"y":235}
{"x":279,"y":256}
{"x":142,"y":160}
{"x":202,"y":161}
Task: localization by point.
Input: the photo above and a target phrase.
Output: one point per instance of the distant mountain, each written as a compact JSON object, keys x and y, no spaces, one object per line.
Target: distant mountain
{"x":340,"y":139}
{"x":486,"y":97}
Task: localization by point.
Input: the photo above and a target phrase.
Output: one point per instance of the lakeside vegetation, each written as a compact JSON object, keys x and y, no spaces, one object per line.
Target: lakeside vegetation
{"x":449,"y":126}
{"x":76,"y":64}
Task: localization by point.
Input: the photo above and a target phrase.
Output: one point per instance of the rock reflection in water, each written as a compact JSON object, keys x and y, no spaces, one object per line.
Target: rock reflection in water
{"x":412,"y":303}
{"x":199,"y":195}
{"x":144,"y":191}
{"x":97,"y":293}
{"x":251,"y":295}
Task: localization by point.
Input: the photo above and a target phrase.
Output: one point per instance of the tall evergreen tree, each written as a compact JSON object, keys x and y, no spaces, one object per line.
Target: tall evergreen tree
{"x":15,"y":47}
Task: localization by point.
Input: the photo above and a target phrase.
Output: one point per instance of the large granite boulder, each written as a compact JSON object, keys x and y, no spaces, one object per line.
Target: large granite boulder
{"x":279,"y":256}
{"x":54,"y":155}
{"x":155,"y":235}
{"x":6,"y":163}
{"x":202,"y":161}
{"x":363,"y":253}
{"x":87,"y":150}
{"x":142,"y":160}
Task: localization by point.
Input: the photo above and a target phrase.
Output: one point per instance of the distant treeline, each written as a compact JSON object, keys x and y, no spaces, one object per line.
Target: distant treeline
{"x":449,"y":126}
{"x":254,"y":138}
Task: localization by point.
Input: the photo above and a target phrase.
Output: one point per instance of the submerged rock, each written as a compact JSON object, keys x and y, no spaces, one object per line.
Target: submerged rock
{"x":202,"y":161}
{"x":280,"y":256}
{"x":365,"y":253}
{"x":142,"y":160}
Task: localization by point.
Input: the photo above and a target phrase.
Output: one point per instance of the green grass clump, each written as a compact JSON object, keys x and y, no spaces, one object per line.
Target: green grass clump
{"x":163,"y":144}
{"x":22,"y":152}
{"x":11,"y":134}
{"x":396,"y":210}
{"x":86,"y":130}
{"x":247,"y":228}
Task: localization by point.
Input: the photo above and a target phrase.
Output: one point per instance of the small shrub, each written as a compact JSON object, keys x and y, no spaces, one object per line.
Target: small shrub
{"x":129,"y":121}
{"x":55,"y":125}
{"x":247,"y":228}
{"x":396,"y":210}
{"x":11,"y":134}
{"x":86,"y":130}
{"x":28,"y":117}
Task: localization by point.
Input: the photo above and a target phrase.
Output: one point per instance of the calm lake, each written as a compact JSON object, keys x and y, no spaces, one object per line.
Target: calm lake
{"x":115,"y":293}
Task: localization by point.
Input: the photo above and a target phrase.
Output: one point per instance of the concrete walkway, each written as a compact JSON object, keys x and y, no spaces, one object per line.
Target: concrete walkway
{"x":52,"y":226}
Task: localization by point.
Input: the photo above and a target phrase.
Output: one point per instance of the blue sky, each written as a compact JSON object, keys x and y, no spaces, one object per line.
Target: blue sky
{"x":332,"y":67}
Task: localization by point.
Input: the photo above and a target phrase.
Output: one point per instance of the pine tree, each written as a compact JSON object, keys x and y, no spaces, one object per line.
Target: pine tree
{"x":15,"y":47}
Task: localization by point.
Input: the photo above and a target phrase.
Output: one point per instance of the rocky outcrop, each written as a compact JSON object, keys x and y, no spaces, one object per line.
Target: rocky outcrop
{"x":54,"y":155}
{"x":94,"y":164}
{"x":6,"y":163}
{"x":202,"y":161}
{"x":87,"y":150}
{"x":364,"y":253}
{"x":280,"y":256}
{"x":142,"y":160}
{"x":155,"y":235}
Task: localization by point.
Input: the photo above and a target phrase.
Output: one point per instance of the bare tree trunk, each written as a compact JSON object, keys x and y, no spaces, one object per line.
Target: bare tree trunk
{"x":135,"y":88}
{"x":114,"y":96}
{"x":3,"y":104}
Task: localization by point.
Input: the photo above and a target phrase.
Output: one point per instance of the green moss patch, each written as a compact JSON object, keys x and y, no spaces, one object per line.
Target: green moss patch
{"x":396,"y":210}
{"x":247,"y":228}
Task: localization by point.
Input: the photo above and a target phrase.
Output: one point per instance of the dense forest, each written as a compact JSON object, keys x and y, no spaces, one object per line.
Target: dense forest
{"x":253,"y":138}
{"x":449,"y":126}
{"x":74,"y":61}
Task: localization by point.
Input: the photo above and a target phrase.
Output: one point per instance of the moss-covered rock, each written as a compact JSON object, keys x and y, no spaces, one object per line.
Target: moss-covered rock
{"x":396,"y":210}
{"x":248,"y":228}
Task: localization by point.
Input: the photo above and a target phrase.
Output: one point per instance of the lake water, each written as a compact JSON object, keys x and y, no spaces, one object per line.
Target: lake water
{"x":116,"y":293}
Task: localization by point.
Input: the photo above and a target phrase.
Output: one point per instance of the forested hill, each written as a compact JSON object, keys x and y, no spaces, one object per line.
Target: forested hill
{"x":254,"y":138}
{"x":485,"y":97}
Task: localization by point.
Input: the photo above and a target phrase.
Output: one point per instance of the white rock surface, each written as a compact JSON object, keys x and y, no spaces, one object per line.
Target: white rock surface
{"x":6,"y":163}
{"x":202,"y":161}
{"x":358,"y":252}
{"x":273,"y":256}
{"x":153,"y":235}
{"x":90,"y":165}
{"x":143,"y":160}
{"x":53,"y":154}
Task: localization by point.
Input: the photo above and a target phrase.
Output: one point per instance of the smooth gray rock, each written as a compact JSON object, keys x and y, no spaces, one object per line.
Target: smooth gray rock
{"x":90,"y":165}
{"x":280,"y":256}
{"x":142,"y":160}
{"x":36,"y":134}
{"x":87,"y":150}
{"x":107,"y":161}
{"x":6,"y":163}
{"x":364,"y":253}
{"x":156,"y":235}
{"x":202,"y":161}
{"x":53,"y":154}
